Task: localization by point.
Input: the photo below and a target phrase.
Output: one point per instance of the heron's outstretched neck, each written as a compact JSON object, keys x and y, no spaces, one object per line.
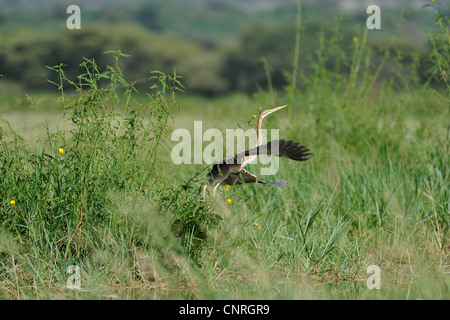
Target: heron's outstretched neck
{"x":258,"y":130}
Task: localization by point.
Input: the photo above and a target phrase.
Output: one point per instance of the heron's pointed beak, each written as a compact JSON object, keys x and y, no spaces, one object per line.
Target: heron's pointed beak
{"x":276,"y":109}
{"x":266,"y":112}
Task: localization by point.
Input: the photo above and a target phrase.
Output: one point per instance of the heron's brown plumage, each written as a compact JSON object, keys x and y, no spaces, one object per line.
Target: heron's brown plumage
{"x":230,"y":171}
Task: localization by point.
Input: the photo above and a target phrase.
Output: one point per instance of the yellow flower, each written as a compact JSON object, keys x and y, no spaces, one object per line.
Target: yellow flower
{"x":261,"y":215}
{"x":13,"y":203}
{"x":61,"y":150}
{"x":229,"y":201}
{"x":227,"y":187}
{"x":255,"y":224}
{"x":355,"y":39}
{"x":254,"y":116}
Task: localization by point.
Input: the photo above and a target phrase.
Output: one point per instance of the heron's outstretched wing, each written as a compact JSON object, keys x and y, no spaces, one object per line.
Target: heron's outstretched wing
{"x":246,"y":177}
{"x":281,"y":148}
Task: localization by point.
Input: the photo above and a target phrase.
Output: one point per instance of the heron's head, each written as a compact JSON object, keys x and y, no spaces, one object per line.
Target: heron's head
{"x":264,"y":113}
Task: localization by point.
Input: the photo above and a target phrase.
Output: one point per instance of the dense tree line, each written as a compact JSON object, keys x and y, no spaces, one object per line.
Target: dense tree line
{"x":263,"y":53}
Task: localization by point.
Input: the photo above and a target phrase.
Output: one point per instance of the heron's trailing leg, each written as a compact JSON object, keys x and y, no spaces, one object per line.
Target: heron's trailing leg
{"x":215,"y":188}
{"x":204,"y":194}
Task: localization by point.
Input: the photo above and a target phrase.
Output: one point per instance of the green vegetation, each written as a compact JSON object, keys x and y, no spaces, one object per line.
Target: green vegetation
{"x":98,"y":189}
{"x":148,"y":49}
{"x":217,"y":48}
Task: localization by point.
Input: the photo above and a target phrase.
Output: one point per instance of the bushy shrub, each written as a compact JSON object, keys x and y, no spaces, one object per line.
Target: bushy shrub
{"x":56,"y":196}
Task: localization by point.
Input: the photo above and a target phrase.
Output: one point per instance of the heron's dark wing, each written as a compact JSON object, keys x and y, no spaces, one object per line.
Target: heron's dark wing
{"x":246,"y":177}
{"x":281,"y":148}
{"x":235,"y":159}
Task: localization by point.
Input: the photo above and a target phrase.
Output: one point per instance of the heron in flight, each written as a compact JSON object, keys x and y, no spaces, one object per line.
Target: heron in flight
{"x":230,"y":171}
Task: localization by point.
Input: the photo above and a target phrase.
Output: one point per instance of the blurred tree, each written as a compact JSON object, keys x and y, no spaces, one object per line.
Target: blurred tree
{"x":148,"y":15}
{"x":274,"y":43}
{"x":58,"y":10}
{"x":25,"y":55}
{"x":116,"y":14}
